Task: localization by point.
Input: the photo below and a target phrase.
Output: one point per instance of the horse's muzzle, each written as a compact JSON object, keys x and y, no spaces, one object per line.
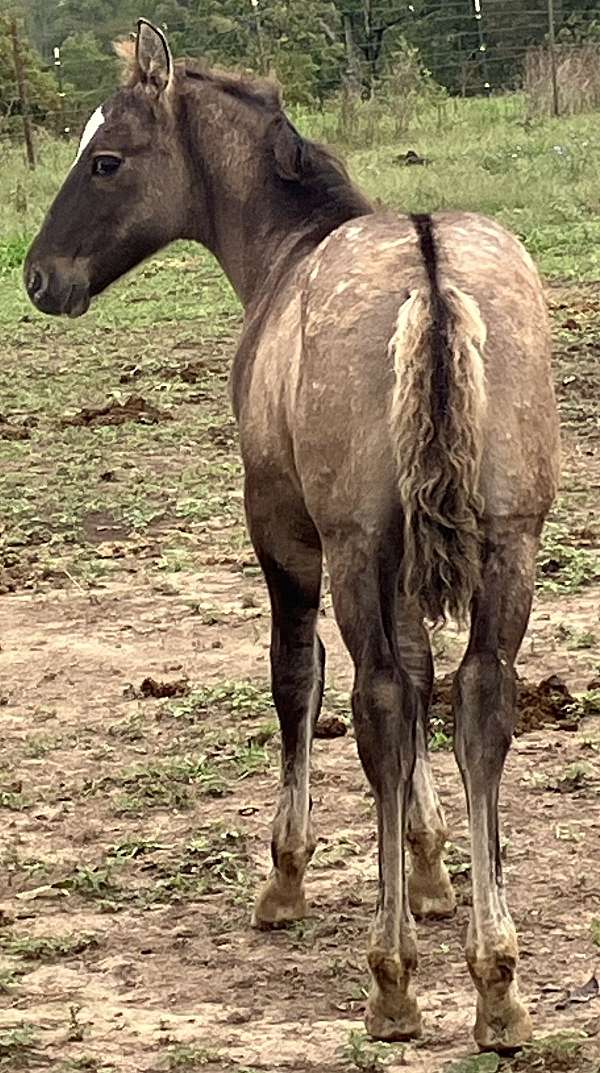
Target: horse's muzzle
{"x":55,"y":290}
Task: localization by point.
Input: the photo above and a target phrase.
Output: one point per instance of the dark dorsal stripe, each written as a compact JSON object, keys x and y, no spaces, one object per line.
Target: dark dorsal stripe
{"x":440,"y":377}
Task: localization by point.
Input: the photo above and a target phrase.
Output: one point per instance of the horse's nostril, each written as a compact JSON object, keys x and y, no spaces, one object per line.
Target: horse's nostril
{"x":37,"y":283}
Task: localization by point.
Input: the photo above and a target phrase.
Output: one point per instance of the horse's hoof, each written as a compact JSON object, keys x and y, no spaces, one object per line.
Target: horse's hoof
{"x":431,"y":901}
{"x":505,"y":1034}
{"x":405,"y":1025}
{"x":274,"y":909}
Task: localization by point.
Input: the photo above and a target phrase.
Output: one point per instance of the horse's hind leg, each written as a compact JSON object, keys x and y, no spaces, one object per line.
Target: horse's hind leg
{"x":485,"y":697}
{"x":386,"y":708}
{"x":429,"y":888}
{"x":289,"y":552}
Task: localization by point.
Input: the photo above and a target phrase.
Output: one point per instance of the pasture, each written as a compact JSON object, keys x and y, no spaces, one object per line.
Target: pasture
{"x":139,"y":762}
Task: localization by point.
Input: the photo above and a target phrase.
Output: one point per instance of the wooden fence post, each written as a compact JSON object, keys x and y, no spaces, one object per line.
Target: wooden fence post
{"x":22,"y":84}
{"x":553,"y":64}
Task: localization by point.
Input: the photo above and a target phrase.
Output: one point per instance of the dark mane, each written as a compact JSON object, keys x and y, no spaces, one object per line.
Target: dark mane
{"x":308,"y":169}
{"x":260,"y":92}
{"x":313,"y":183}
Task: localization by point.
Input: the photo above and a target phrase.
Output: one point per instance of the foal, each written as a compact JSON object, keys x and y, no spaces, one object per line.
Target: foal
{"x":396,"y":414}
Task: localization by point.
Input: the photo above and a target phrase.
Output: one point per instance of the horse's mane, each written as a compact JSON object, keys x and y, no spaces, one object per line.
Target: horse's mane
{"x":321,"y":170}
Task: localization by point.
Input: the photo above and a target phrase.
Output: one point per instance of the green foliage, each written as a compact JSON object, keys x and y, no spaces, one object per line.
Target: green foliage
{"x":12,"y":253}
{"x":559,"y":1053}
{"x":83,"y":54}
{"x":46,"y":947}
{"x":41,"y":86}
{"x":562,"y":567}
{"x":360,"y":1054}
{"x":317,"y":48}
{"x":243,"y":698}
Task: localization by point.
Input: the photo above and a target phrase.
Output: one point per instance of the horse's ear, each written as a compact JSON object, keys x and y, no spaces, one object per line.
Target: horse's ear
{"x":289,"y":151}
{"x":153,"y":55}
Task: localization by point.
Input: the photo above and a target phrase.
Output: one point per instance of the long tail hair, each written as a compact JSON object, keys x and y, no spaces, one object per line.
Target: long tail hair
{"x":437,"y":412}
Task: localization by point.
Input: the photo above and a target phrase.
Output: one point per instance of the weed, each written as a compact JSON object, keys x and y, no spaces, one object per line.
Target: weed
{"x":188,"y":1057}
{"x":92,"y":882}
{"x":302,"y":933}
{"x":361,"y":1054}
{"x":215,"y":860}
{"x":14,"y":801}
{"x":250,"y":758}
{"x":590,"y":702}
{"x":563,"y":568}
{"x":162,"y":785}
{"x":130,"y":729}
{"x":9,"y":978}
{"x":32,"y":866}
{"x":336,"y":852}
{"x":595,"y":930}
{"x":47,"y":947}
{"x":242,"y":698}
{"x":584,"y":639}
{"x":565,"y":832}
{"x":132,"y":849}
{"x":458,"y":860}
{"x":17,"y":1046}
{"x":220,"y":852}
{"x":75,"y":1030}
{"x":439,"y":740}
{"x":574,"y":778}
{"x":551,"y":1054}
{"x":265,"y":732}
{"x":41,"y":744}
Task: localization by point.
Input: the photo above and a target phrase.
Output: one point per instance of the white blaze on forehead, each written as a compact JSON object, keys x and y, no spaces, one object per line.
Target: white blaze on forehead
{"x":92,"y":126}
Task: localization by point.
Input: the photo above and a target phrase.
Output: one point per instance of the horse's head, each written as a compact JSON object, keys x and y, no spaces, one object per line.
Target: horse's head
{"x":184,"y":152}
{"x":125,"y":196}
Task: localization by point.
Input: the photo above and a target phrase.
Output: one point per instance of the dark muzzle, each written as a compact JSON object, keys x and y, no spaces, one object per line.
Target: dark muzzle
{"x":55,"y":288}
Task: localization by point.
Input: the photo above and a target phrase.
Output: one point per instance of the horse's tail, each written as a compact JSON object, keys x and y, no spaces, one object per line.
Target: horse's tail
{"x":437,"y":418}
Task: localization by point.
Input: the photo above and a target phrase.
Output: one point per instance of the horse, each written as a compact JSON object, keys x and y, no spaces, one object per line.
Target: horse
{"x":396,"y":413}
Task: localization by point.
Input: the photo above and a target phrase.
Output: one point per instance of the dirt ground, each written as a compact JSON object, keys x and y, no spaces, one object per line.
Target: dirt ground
{"x":135,"y":829}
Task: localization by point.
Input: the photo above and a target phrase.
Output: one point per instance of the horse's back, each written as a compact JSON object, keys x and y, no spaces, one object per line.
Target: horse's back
{"x":324,"y":374}
{"x":359,"y":280}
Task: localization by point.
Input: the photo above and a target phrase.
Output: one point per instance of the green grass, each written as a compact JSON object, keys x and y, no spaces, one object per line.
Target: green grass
{"x":481,"y":1063}
{"x":539,"y":176}
{"x":175,"y":782}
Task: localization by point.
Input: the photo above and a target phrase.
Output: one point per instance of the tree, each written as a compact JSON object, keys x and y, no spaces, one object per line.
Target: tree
{"x":92,"y":71}
{"x":42,"y":90}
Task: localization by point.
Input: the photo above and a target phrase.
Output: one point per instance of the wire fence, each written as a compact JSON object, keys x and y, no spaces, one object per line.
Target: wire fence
{"x":471,"y":51}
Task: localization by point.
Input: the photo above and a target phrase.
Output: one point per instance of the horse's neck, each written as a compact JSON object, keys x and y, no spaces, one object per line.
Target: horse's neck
{"x":256,"y":248}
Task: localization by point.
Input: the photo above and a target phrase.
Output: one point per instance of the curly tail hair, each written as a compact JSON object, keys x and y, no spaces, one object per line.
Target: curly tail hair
{"x":437,"y":413}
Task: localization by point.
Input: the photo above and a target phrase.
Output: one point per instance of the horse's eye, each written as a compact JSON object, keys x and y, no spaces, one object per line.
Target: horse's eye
{"x":106,"y":164}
